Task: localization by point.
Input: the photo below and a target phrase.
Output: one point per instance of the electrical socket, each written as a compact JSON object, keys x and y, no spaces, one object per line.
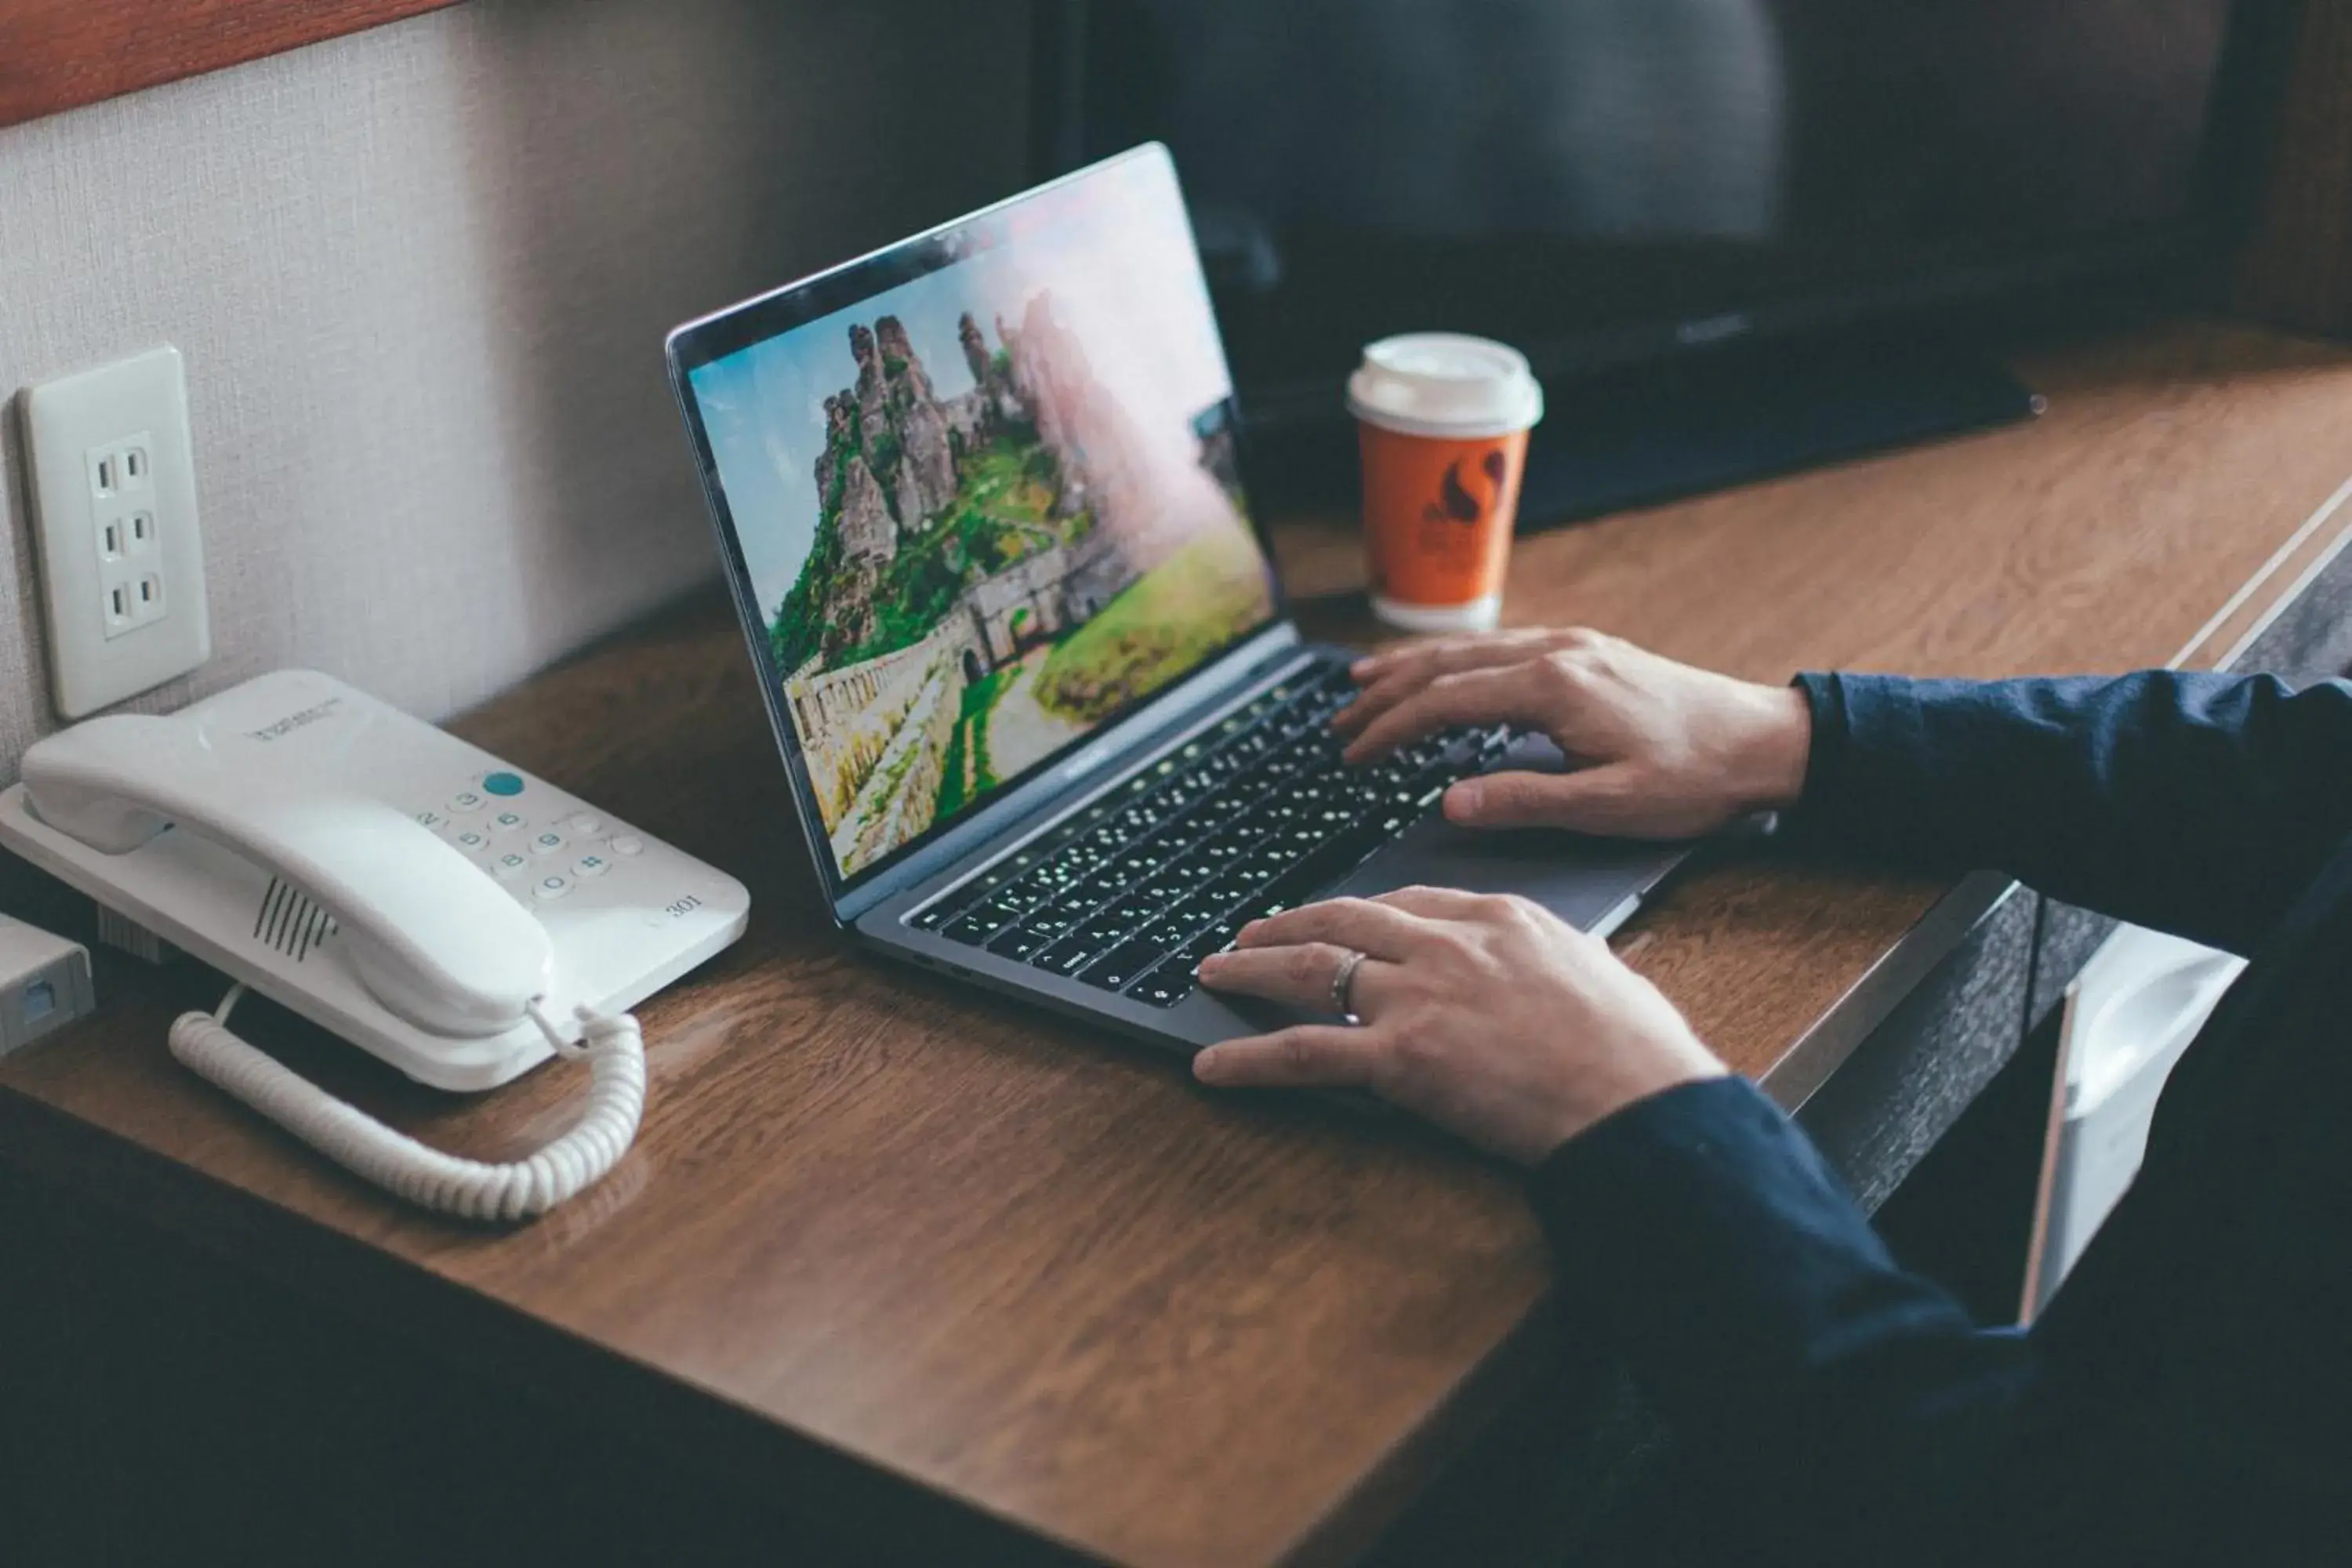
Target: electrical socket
{"x":121,"y":558}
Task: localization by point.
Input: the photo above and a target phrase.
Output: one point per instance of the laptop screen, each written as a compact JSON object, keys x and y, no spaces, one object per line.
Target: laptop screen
{"x":990,"y":506}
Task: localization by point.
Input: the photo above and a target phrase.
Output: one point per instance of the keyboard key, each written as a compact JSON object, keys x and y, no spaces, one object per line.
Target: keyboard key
{"x":1069,"y":955}
{"x":1119,"y":969}
{"x":1222,"y":806}
{"x":1138,"y":864}
{"x":1025,"y":894}
{"x":1165,"y":935}
{"x":1228,"y":890}
{"x":1129,"y":911}
{"x":1018,"y":942}
{"x":1227,"y":848}
{"x":1053,"y":921}
{"x":1164,"y":986}
{"x":1217,"y":936}
{"x":1264,"y":863}
{"x":936,"y":915}
{"x":974,"y":929}
{"x":1191,"y":871}
{"x":1163,"y":886}
{"x":1137,"y":821}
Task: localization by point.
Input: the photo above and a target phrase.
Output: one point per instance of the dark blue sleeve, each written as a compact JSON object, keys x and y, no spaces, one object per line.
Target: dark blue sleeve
{"x":1703,"y":1235}
{"x":2197,"y":804}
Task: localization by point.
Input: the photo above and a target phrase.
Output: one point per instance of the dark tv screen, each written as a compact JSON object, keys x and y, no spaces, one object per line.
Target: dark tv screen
{"x":1599,"y":180}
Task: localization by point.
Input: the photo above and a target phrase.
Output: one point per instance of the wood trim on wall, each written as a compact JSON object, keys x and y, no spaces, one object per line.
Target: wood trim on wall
{"x":60,"y":53}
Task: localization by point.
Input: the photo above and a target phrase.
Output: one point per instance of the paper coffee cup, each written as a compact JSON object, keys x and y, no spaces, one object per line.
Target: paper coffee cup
{"x":1441,"y":423}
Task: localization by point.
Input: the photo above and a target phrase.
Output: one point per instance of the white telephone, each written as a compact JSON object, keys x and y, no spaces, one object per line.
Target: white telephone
{"x":394,"y":885}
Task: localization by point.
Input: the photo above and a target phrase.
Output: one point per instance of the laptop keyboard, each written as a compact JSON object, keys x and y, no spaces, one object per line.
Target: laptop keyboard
{"x":1247,"y":818}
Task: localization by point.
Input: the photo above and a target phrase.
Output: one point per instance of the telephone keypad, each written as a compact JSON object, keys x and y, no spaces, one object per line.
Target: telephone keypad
{"x":566,"y":846}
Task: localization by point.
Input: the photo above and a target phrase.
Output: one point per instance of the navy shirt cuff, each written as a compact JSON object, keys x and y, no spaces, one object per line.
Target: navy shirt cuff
{"x":1704,"y":1234}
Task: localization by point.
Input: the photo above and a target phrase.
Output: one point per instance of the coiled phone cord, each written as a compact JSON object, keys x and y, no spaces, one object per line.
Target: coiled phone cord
{"x":611,"y":1044}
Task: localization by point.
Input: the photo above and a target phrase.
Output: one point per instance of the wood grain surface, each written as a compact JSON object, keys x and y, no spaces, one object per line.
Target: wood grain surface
{"x":60,"y":53}
{"x":949,"y":1271}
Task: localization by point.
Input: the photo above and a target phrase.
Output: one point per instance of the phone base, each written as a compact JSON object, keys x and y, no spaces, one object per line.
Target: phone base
{"x":623,"y":914}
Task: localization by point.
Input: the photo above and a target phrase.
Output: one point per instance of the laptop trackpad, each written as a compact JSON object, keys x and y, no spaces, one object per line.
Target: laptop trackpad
{"x":1583,"y":881}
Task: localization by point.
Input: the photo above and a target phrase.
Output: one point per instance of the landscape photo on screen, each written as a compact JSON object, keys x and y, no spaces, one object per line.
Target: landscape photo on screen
{"x":985,"y":510}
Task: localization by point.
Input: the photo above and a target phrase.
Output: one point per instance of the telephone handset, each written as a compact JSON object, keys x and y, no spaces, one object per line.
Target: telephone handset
{"x":431,"y":938}
{"x":394,"y":884}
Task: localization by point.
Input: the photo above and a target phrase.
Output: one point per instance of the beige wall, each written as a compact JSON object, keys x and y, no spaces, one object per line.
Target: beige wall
{"x":420,"y":276}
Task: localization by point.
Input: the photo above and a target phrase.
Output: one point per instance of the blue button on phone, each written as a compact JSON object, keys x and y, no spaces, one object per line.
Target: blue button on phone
{"x":503,"y":783}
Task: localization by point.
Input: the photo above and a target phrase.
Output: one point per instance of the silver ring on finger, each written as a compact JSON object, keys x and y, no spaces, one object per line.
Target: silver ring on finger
{"x":1343,"y":984}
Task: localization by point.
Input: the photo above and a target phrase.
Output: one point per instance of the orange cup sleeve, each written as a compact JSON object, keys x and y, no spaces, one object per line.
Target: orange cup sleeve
{"x":1438,"y":513}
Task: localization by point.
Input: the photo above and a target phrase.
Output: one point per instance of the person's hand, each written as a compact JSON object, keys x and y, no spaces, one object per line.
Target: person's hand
{"x":1488,"y":1015}
{"x":1658,"y":750}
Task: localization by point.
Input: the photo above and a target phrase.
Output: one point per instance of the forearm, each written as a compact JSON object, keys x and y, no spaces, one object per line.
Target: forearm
{"x":1701,"y":1234}
{"x":2198,"y":804}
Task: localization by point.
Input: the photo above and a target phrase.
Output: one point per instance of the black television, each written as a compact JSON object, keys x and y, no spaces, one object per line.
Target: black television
{"x":1732,"y":235}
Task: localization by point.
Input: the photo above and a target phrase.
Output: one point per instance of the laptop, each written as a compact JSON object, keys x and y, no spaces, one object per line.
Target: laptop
{"x":1047,"y":725}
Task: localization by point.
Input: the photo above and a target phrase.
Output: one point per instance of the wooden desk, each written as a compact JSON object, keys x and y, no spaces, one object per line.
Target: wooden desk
{"x":960,"y":1278}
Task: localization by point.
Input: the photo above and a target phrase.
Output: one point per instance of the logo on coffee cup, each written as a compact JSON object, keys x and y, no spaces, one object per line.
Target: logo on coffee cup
{"x":1454,"y":502}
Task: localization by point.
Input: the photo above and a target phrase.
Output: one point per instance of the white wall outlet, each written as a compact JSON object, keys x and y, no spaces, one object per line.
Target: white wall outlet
{"x":114,"y":502}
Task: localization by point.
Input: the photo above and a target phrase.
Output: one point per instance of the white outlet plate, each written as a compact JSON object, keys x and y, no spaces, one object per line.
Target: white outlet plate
{"x":114,"y":503}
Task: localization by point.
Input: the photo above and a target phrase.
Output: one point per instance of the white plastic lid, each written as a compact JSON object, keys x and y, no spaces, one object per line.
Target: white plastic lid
{"x":1444,"y":384}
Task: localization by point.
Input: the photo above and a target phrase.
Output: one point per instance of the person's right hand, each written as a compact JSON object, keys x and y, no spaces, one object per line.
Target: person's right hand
{"x":1657,"y":749}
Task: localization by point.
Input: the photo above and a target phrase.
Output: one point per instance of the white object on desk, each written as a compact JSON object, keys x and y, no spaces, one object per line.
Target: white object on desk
{"x":400,"y":887}
{"x":346,"y":860}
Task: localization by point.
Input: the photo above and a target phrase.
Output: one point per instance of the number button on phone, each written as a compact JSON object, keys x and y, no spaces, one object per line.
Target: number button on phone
{"x":548,"y":843}
{"x":554,"y":885}
{"x":472,"y":839}
{"x":628,"y":844}
{"x":465,"y":803}
{"x":431,"y":819}
{"x":509,"y":821}
{"x":590,"y":866}
{"x":510,"y":866}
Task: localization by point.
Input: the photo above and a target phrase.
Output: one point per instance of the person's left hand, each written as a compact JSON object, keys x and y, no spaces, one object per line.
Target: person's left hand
{"x":1488,"y":1015}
